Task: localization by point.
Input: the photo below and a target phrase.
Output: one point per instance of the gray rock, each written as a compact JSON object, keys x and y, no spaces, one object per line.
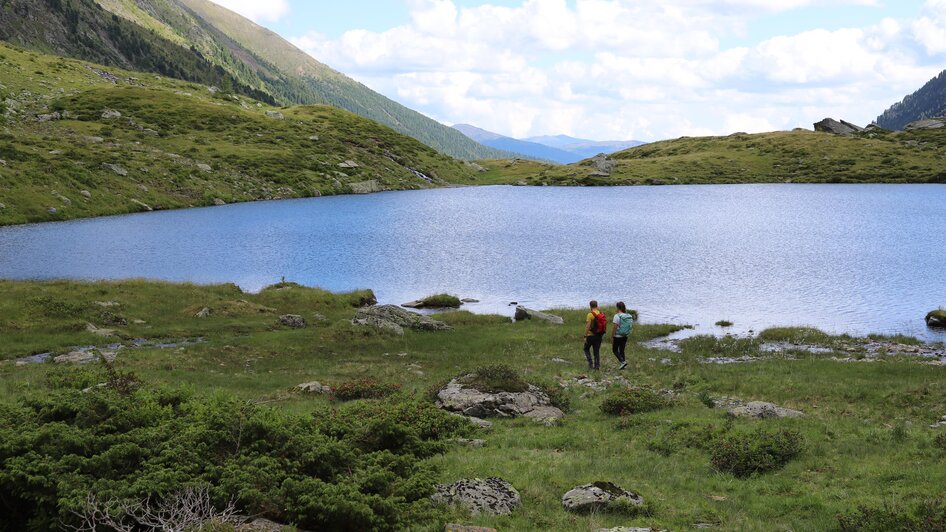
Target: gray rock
{"x":939,"y":424}
{"x":95,"y":140}
{"x":475,"y":421}
{"x":85,"y":194}
{"x":204,"y":167}
{"x":314,"y":387}
{"x":392,"y":317}
{"x":365,"y":187}
{"x":469,"y":300}
{"x":348,"y":164}
{"x":314,"y":138}
{"x":830,"y":125}
{"x":52,"y":210}
{"x":203,"y":313}
{"x":219,"y":202}
{"x":118,"y":169}
{"x":143,"y":205}
{"x":929,"y":123}
{"x":603,"y":165}
{"x":493,"y":496}
{"x":598,"y":496}
{"x":548,"y":415}
{"x":469,"y":443}
{"x":110,"y":114}
{"x":457,"y":397}
{"x":293,"y":321}
{"x":523,"y":313}
{"x":49,"y":117}
{"x":104,"y":333}
{"x":85,"y":356}
{"x":934,"y":319}
{"x":276,"y":115}
{"x":763,"y":410}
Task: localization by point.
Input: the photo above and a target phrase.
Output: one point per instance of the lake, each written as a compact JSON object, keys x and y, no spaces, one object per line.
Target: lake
{"x":845,"y":258}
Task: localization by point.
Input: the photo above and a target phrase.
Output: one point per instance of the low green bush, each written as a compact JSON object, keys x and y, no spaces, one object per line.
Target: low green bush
{"x":360,"y":466}
{"x":926,"y":516}
{"x":681,"y":436}
{"x":559,"y":396}
{"x":746,"y":453}
{"x":635,"y":400}
{"x":366,"y":388}
{"x":495,"y":378}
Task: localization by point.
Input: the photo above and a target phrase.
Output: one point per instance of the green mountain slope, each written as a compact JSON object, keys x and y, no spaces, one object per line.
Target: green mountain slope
{"x":874,"y":156}
{"x":79,"y":141}
{"x":200,"y":41}
{"x":928,"y":102}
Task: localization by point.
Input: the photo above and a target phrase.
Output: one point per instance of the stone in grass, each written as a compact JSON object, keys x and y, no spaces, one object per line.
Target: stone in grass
{"x":85,"y":356}
{"x":936,"y":318}
{"x":523,"y":313}
{"x":394,"y":319}
{"x":455,"y":396}
{"x":293,"y":321}
{"x":493,"y":496}
{"x":625,"y":529}
{"x":600,"y":497}
{"x":763,"y":410}
{"x":451,"y":527}
{"x":314,"y":387}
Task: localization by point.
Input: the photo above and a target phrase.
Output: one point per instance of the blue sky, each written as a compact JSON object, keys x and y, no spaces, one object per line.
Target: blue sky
{"x":622,"y":69}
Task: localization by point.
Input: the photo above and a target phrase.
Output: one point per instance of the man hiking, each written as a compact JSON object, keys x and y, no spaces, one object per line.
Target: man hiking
{"x":619,"y":334}
{"x":596,"y":324}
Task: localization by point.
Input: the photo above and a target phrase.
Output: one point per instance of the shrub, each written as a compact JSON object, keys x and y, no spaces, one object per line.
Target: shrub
{"x":758,"y":451}
{"x":495,"y":378}
{"x":558,"y":395}
{"x":366,"y":388}
{"x":724,"y":323}
{"x":635,"y":400}
{"x":929,"y":515}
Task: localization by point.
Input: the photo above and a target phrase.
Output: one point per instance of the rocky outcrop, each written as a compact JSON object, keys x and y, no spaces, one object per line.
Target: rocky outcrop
{"x":929,"y":123}
{"x":598,"y":497}
{"x":85,"y":356}
{"x":110,"y":114}
{"x":533,"y":402}
{"x":830,"y":125}
{"x":936,"y":318}
{"x":118,"y":169}
{"x":293,"y":321}
{"x":394,"y":319}
{"x":493,"y":496}
{"x":762,"y":410}
{"x":603,"y":165}
{"x":523,"y":313}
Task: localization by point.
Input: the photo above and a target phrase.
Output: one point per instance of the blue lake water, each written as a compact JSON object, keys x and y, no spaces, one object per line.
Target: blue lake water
{"x":846,"y":258}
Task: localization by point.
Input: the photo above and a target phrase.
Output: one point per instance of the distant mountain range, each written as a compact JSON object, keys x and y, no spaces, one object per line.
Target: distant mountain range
{"x":559,"y":148}
{"x":928,"y":102}
{"x":197,"y":40}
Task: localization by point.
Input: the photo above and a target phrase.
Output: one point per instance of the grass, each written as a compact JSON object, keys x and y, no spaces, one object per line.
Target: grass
{"x":441,"y":301}
{"x":866,"y":441}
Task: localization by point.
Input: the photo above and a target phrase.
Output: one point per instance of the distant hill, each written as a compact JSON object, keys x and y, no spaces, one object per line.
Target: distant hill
{"x":560,"y":148}
{"x":928,"y":102}
{"x":197,"y":40}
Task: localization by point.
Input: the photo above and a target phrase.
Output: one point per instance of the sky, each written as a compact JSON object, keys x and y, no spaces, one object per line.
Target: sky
{"x":624,"y":69}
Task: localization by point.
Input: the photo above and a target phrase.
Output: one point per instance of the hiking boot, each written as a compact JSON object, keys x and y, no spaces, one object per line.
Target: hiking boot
{"x":622,"y":366}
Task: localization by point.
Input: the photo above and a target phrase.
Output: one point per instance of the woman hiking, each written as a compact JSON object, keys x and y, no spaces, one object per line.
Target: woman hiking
{"x":620,"y":333}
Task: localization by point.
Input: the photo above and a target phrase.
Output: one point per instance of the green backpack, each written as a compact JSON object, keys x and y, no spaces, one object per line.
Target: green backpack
{"x":625,"y":324}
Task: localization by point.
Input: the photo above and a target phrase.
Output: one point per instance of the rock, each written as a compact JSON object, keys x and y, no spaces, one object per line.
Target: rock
{"x":929,"y":123}
{"x":120,"y":170}
{"x":393,"y":318}
{"x":143,"y":205}
{"x":63,"y":199}
{"x":348,"y":164}
{"x":939,"y":424}
{"x":603,"y":165}
{"x":95,"y":140}
{"x":204,"y":167}
{"x":52,"y":210}
{"x":2,"y":206}
{"x":469,"y":443}
{"x":830,"y":125}
{"x":451,"y":527}
{"x":936,"y":318}
{"x":457,"y":397}
{"x":469,"y":300}
{"x":548,"y":415}
{"x":625,"y":529}
{"x":493,"y":496}
{"x":314,"y":138}
{"x":49,"y":117}
{"x":203,"y":313}
{"x":523,"y":313}
{"x":475,"y":421}
{"x":365,"y":187}
{"x":292,"y":321}
{"x":276,"y":115}
{"x":598,"y":496}
{"x":110,"y":114}
{"x":263,"y":525}
{"x":104,"y":333}
{"x":559,"y":360}
{"x":84,"y":356}
{"x":85,"y":194}
{"x":762,"y":410}
{"x":218,"y":202}
{"x":314,"y":387}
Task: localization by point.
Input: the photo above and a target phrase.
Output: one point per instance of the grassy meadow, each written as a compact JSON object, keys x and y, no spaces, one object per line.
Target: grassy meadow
{"x":865,"y":436}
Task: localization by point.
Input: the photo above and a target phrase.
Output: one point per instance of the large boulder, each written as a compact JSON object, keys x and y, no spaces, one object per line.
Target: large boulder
{"x":830,"y":125}
{"x":394,"y":319}
{"x":598,"y":497}
{"x":466,"y":400}
{"x":523,"y":313}
{"x":936,"y":318}
{"x":493,"y":496}
{"x":603,"y":165}
{"x":762,"y":410}
{"x":929,"y":123}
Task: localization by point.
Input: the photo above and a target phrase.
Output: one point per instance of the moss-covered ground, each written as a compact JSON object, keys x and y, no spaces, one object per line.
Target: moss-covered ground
{"x":865,"y":436}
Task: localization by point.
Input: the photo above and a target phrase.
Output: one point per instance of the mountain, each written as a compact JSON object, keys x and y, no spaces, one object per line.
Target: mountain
{"x":530,"y":150}
{"x":560,"y":148}
{"x":584,"y":148}
{"x":197,"y":40}
{"x":80,"y":140}
{"x":928,"y":102}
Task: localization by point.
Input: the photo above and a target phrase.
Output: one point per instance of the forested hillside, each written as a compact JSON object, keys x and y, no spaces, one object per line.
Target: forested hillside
{"x":928,"y":102}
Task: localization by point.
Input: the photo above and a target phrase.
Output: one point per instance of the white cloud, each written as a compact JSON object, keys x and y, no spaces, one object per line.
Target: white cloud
{"x":636,"y":69}
{"x":268,"y":11}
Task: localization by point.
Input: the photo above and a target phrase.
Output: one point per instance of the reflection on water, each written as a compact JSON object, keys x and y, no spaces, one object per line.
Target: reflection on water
{"x":847,"y":258}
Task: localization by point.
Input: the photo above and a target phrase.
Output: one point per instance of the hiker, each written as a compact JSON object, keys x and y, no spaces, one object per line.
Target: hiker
{"x":596,"y":324}
{"x":622,"y":330}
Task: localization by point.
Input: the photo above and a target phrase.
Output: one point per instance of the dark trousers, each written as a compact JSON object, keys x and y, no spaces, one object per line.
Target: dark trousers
{"x":618,"y":345}
{"x":593,"y":342}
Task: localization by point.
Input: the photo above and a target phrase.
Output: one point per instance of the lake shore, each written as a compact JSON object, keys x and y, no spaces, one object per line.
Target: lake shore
{"x":869,"y":414}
